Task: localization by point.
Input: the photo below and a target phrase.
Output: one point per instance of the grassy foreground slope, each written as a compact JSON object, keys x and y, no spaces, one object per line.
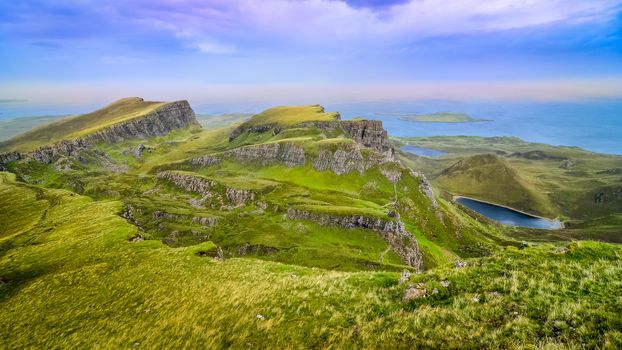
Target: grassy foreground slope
{"x":76,"y":126}
{"x":71,"y":279}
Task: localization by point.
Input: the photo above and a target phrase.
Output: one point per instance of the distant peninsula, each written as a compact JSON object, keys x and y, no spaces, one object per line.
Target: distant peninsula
{"x":443,"y":117}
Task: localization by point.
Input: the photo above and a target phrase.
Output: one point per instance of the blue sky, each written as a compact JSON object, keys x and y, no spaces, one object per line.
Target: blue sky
{"x":241,"y":49}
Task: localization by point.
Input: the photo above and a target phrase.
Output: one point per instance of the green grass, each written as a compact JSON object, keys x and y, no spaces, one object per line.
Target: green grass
{"x":292,"y":115}
{"x":76,"y":126}
{"x":75,"y":281}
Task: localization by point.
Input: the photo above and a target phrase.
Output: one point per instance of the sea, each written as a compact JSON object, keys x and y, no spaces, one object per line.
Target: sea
{"x":595,"y":125}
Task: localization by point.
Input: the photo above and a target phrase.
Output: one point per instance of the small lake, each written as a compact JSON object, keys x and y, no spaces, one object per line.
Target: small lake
{"x":508,"y":216}
{"x":421,"y":151}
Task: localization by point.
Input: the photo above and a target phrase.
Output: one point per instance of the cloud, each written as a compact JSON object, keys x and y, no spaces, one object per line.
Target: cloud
{"x":329,"y":20}
{"x":218,"y":27}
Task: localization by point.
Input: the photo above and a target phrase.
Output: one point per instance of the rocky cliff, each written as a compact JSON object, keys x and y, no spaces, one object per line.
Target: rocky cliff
{"x":169,"y":117}
{"x":285,"y":152}
{"x":214,"y":194}
{"x":401,"y":241}
{"x":369,"y":133}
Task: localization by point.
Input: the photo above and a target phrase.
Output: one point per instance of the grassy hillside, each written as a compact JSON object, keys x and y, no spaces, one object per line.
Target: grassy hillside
{"x":76,"y":126}
{"x":72,"y":278}
{"x":492,"y":178}
{"x":290,"y":115}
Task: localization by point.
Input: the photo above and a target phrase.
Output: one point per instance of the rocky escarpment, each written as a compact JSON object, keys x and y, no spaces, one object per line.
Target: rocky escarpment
{"x":344,"y":159}
{"x":175,"y":115}
{"x":214,"y":194}
{"x":401,"y":241}
{"x":169,"y":117}
{"x":369,"y":133}
{"x":347,"y":159}
{"x":285,"y":152}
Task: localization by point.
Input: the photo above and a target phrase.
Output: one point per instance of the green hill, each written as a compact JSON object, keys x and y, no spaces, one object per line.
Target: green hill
{"x":290,"y":115}
{"x":77,"y":126}
{"x":492,"y":178}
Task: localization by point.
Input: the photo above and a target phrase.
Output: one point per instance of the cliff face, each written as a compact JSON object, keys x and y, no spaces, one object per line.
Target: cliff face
{"x":369,"y":133}
{"x":402,"y":242}
{"x":175,"y":115}
{"x":214,"y":194}
{"x":169,"y":117}
{"x":285,"y":152}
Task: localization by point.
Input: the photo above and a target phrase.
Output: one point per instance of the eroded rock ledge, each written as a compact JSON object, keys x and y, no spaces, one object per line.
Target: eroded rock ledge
{"x":401,"y":241}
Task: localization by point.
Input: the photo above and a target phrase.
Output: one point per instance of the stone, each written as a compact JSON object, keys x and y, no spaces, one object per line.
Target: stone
{"x":137,"y":151}
{"x":137,"y":238}
{"x":445,"y":283}
{"x":404,"y":277}
{"x":414,"y":292}
{"x":460,"y":264}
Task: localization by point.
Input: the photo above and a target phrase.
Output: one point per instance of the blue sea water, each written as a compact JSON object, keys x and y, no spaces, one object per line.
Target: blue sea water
{"x":422,"y":151}
{"x":508,"y":216}
{"x":594,"y":125}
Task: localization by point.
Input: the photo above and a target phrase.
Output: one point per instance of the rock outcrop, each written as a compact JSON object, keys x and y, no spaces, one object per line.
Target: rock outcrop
{"x":188,"y":183}
{"x":369,"y":133}
{"x":204,"y":161}
{"x":6,"y":158}
{"x":287,"y":153}
{"x":402,"y":242}
{"x":214,"y":193}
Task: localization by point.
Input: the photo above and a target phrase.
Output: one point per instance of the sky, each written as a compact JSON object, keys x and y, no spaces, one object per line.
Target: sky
{"x":299,"y":50}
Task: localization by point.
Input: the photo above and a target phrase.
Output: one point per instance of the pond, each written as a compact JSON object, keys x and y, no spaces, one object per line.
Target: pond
{"x":422,"y":151}
{"x":508,"y":216}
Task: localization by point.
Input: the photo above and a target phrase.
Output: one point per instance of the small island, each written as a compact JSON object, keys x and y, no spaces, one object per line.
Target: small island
{"x":443,"y":117}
